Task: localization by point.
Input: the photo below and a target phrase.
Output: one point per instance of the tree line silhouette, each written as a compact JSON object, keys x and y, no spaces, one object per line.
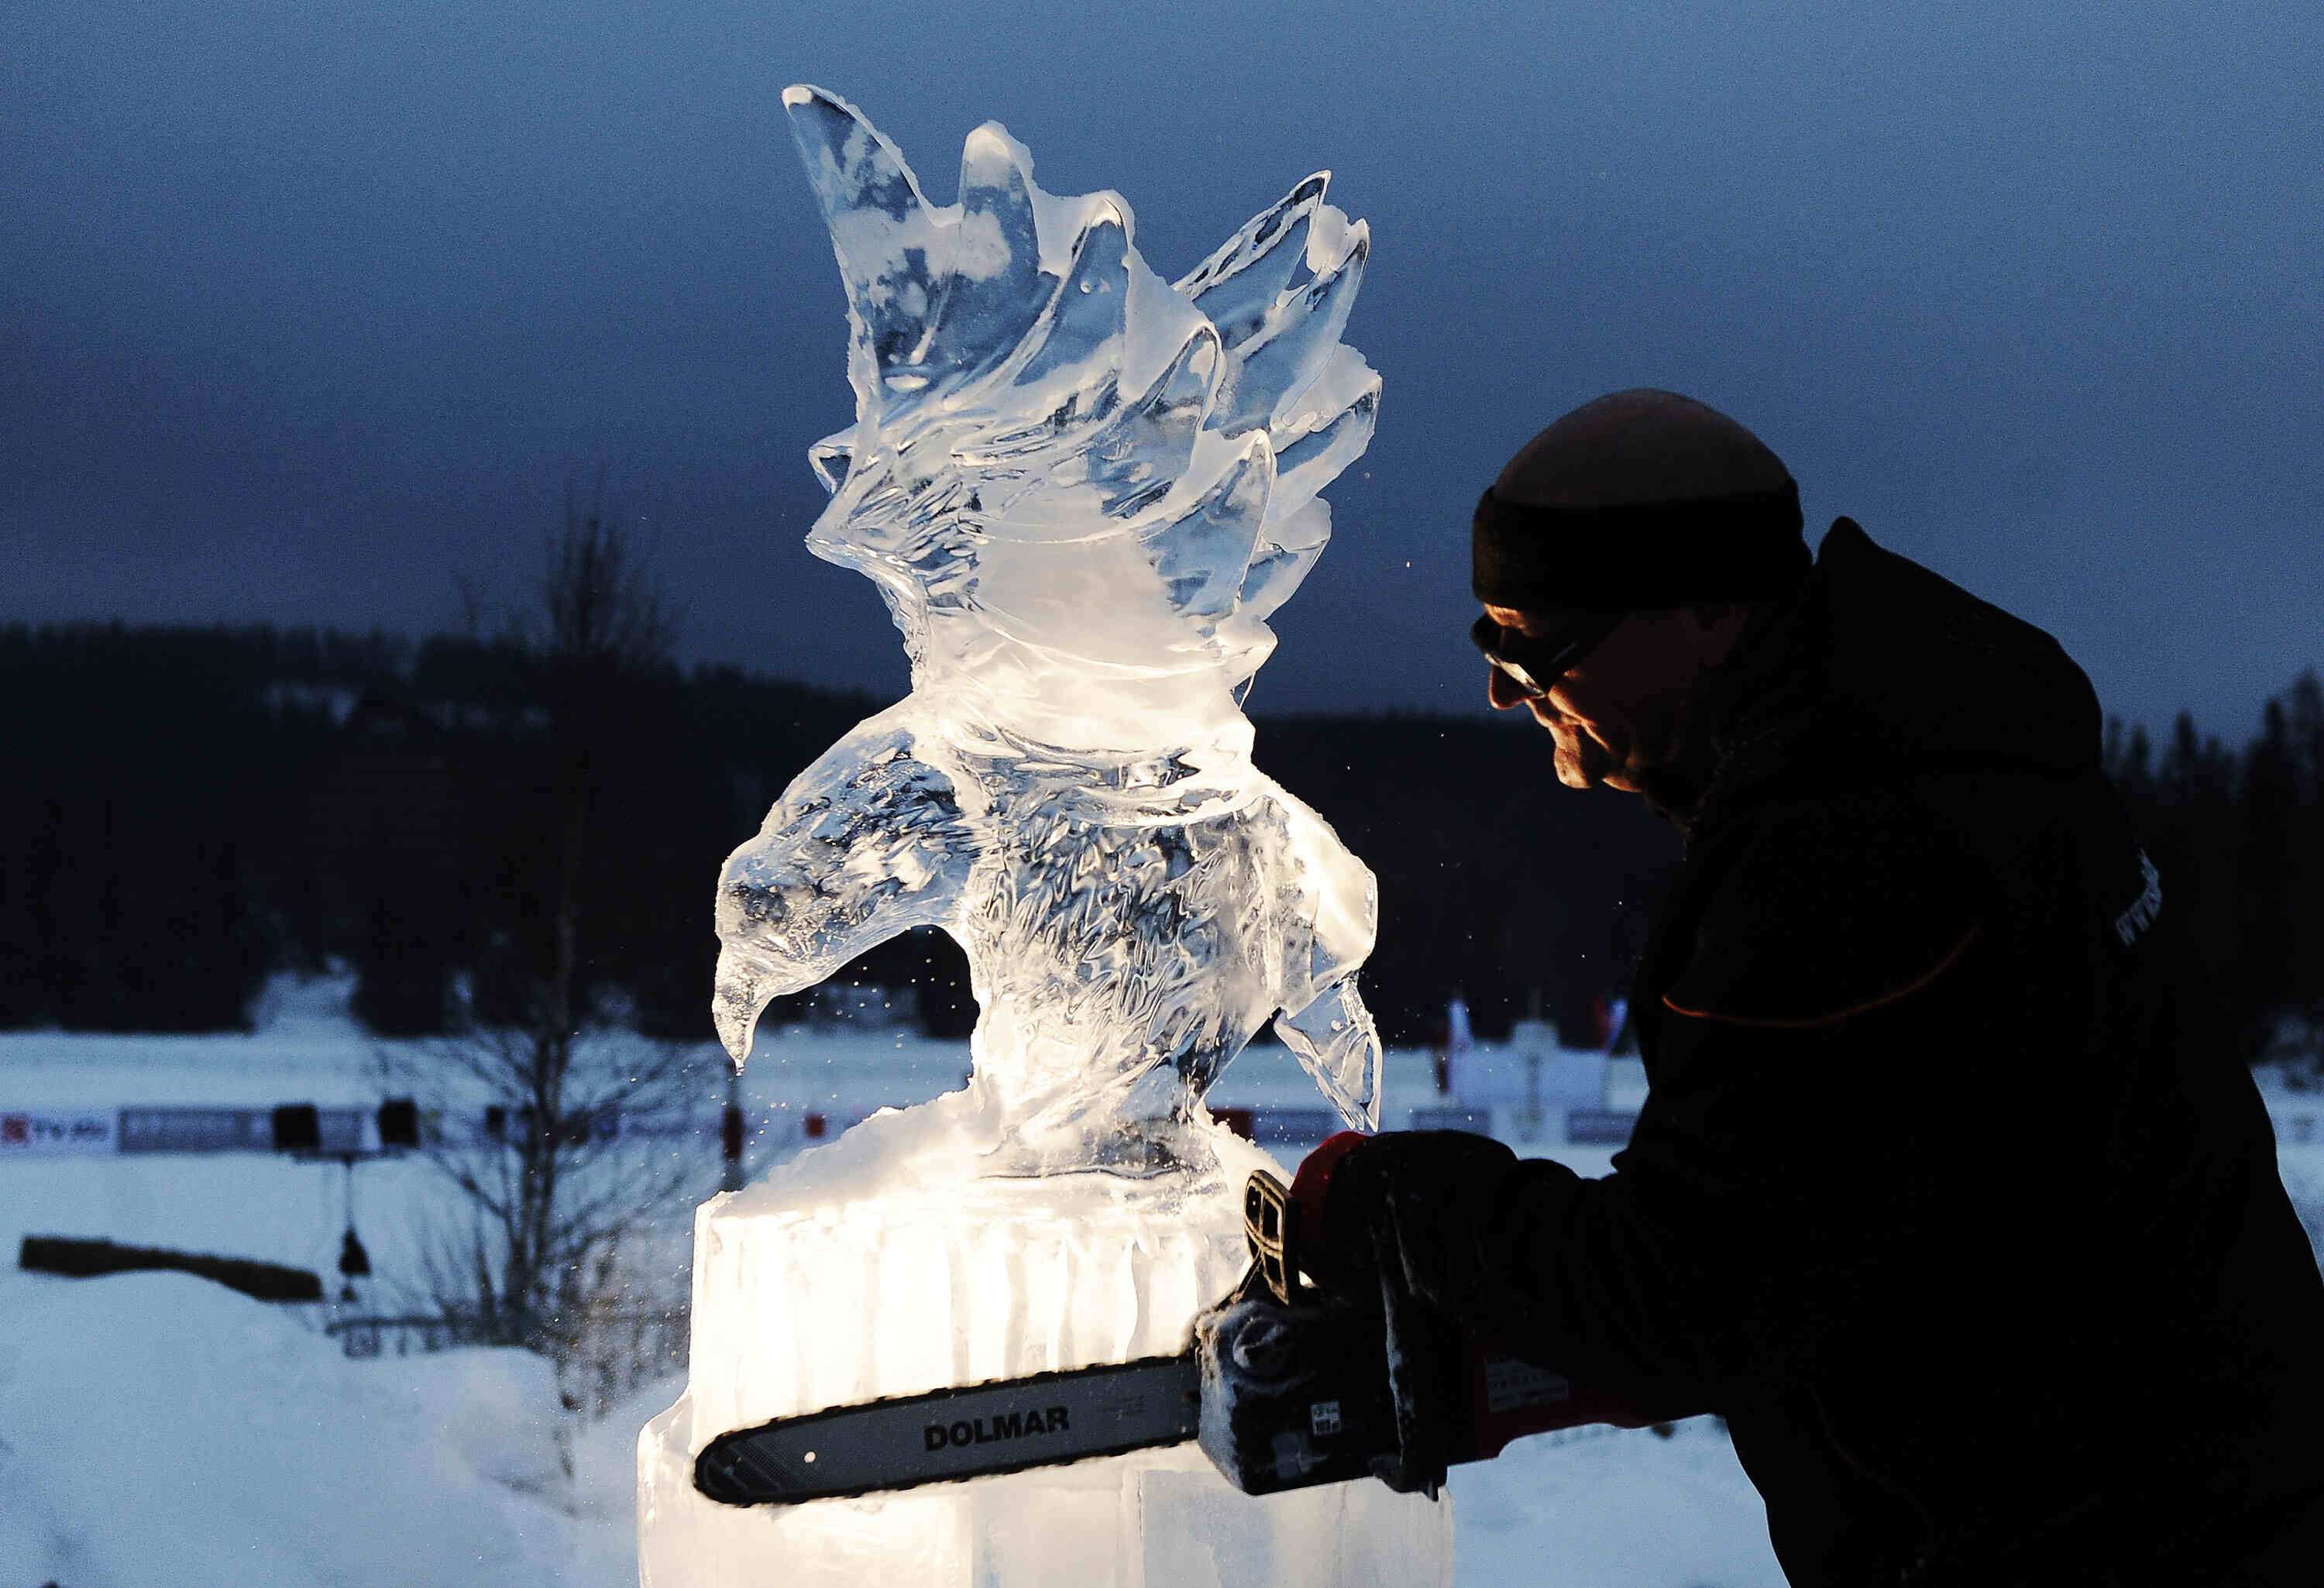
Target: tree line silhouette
{"x":2239,"y":838}
{"x":186,"y":810}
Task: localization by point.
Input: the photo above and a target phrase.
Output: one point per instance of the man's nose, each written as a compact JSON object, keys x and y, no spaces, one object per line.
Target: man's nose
{"x":1501,"y":689}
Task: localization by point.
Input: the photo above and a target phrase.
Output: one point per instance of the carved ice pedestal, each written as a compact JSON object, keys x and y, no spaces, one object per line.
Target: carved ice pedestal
{"x":809,"y":1292}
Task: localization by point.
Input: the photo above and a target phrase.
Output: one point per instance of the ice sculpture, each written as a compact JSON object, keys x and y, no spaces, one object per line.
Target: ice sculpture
{"x":1082,"y":490}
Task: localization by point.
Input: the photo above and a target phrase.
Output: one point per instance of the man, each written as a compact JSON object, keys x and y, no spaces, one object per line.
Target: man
{"x":1949,"y":1195}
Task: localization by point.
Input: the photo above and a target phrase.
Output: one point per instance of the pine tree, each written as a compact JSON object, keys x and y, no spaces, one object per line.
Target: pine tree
{"x":2261,"y":970}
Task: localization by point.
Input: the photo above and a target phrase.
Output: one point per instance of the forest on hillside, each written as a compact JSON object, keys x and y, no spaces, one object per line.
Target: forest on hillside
{"x":188,"y":810}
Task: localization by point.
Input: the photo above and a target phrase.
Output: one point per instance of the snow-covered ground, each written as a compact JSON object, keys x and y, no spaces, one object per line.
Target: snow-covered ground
{"x":155,"y":1428}
{"x":159,"y":1429}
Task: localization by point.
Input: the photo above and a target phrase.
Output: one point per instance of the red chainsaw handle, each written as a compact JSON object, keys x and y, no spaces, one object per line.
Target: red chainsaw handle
{"x":1312,"y":1185}
{"x":1507,"y":1398}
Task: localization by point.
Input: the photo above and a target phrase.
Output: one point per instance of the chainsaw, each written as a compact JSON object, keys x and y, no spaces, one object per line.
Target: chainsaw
{"x":1281,"y":1384}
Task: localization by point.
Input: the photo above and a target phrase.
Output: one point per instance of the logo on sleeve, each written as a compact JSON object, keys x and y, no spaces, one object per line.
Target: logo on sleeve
{"x":2131,"y":923}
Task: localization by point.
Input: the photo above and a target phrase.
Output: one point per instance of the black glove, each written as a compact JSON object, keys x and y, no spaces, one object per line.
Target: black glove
{"x":1402,"y":1205}
{"x":1403,"y":1217}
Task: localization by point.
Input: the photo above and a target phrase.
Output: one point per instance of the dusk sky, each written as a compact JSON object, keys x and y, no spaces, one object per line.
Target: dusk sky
{"x":308,"y":309}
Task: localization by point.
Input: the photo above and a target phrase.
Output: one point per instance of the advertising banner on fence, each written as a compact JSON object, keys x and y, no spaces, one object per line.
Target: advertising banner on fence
{"x":331,"y":1132}
{"x":51,"y":1132}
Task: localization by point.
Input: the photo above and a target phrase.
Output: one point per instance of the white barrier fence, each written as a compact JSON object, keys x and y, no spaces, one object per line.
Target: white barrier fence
{"x":308,"y":1131}
{"x":335,"y":1132}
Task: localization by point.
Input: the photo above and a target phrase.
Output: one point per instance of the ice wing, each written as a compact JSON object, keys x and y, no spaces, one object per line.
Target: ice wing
{"x":1323,"y":1019}
{"x":868,"y":842}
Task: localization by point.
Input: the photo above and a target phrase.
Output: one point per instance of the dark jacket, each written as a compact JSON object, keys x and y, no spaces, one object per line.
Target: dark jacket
{"x":1949,"y":1192}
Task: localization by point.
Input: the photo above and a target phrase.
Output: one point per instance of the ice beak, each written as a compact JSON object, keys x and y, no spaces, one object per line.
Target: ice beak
{"x":738,"y":995}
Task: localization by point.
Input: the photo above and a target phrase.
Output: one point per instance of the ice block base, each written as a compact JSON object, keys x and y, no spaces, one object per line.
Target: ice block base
{"x":825,"y":1285}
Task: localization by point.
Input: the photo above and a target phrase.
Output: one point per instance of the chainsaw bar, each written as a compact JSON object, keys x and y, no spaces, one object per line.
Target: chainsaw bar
{"x":946,"y":1435}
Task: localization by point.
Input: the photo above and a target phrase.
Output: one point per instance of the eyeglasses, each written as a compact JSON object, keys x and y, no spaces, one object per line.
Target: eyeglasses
{"x":1534,"y":663}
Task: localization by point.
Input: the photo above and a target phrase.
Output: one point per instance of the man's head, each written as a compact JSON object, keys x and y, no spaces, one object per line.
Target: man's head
{"x":1624,"y":550}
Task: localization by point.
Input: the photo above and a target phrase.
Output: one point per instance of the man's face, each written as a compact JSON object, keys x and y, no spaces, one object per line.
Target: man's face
{"x":1628,"y":709}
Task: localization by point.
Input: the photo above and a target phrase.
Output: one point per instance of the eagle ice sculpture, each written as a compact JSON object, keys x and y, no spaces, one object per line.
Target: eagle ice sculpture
{"x":1081,"y":491}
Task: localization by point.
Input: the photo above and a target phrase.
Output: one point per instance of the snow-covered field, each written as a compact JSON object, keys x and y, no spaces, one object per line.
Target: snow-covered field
{"x":157,"y":1429}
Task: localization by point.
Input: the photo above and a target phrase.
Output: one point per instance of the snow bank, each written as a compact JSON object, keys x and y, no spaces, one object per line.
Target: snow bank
{"x":155,"y":1428}
{"x":1612,"y":1509}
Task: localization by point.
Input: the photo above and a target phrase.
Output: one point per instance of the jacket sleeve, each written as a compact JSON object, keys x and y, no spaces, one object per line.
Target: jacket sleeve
{"x":1793,"y":1171}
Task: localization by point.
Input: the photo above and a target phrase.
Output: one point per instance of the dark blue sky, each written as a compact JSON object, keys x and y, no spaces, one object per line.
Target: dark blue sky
{"x":306,"y":307}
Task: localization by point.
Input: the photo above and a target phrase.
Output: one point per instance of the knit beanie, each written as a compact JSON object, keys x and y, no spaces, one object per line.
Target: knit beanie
{"x":1638,"y":500}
